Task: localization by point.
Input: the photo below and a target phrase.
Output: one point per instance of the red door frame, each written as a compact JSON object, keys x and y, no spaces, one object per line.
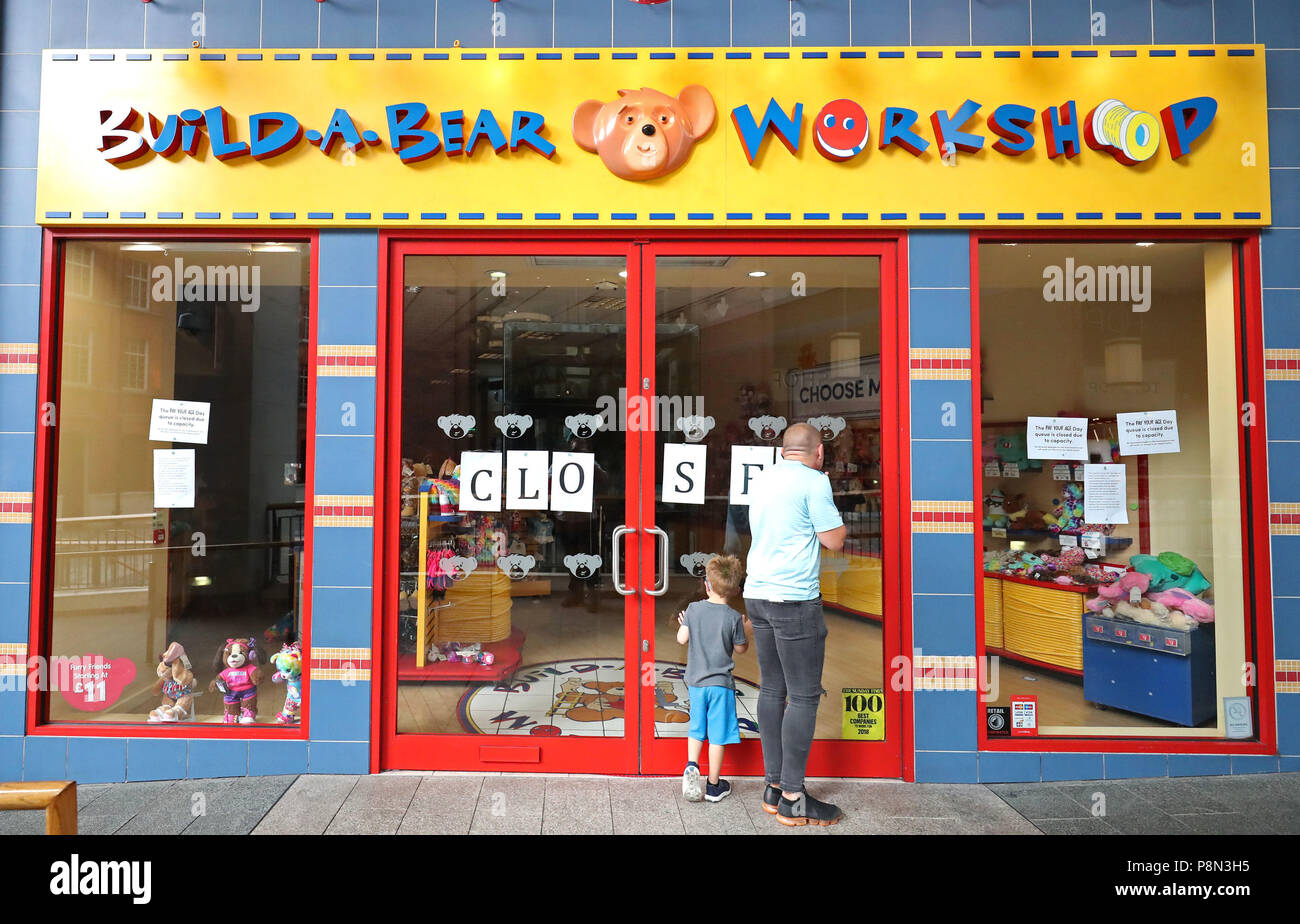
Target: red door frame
{"x":44,"y":487}
{"x":1253,"y":456}
{"x":634,"y":752}
{"x":827,"y":758}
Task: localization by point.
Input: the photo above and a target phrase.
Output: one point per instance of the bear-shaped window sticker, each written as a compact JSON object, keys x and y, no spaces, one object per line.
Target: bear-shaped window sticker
{"x":516,"y":566}
{"x":767,"y":427}
{"x":644,"y":133}
{"x":458,"y":567}
{"x":513,"y":426}
{"x":693,"y":562}
{"x":695,"y":427}
{"x":582,"y":566}
{"x":829,"y":427}
{"x":457,"y":426}
{"x":584,"y":426}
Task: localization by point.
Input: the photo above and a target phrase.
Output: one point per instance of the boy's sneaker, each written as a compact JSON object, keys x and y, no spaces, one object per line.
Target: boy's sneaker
{"x":692,"y":784}
{"x":771,"y":798}
{"x":716,"y":792}
{"x":807,"y":811}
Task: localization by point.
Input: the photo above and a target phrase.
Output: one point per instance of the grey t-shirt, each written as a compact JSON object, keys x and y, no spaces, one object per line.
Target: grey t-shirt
{"x":716,"y":629}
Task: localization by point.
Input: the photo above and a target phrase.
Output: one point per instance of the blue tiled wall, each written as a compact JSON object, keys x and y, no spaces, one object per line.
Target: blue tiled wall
{"x":944,"y":606}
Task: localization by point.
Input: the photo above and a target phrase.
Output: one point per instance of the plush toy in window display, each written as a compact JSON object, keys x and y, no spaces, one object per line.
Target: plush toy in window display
{"x":1067,"y":510}
{"x":237,"y":680}
{"x":1169,"y":570}
{"x":995,"y":511}
{"x":176,"y":684}
{"x":1011,"y":449}
{"x":413,"y":474}
{"x":288,"y":671}
{"x":1128,"y":599}
{"x":1022,"y":515}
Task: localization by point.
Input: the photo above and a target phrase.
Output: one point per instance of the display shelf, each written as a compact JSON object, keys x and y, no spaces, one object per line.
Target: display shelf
{"x":507,"y":655}
{"x":1115,"y":543}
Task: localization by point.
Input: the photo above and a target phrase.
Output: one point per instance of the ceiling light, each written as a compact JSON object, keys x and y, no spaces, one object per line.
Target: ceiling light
{"x":623,"y":273}
{"x":497,"y":274}
{"x":758,"y":274}
{"x":152,"y":248}
{"x":1146,"y":243}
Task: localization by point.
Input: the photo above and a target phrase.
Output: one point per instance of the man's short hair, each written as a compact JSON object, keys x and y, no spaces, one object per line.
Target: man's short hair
{"x":725,"y":574}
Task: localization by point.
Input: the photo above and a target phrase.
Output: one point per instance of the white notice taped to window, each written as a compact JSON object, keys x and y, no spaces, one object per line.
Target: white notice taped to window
{"x":179,"y":421}
{"x":1104,"y":493}
{"x":1057,"y":438}
{"x":173,"y":477}
{"x":1147,"y":432}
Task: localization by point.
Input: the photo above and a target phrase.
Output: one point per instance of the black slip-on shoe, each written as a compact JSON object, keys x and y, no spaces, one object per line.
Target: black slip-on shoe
{"x":771,"y":797}
{"x":807,"y":811}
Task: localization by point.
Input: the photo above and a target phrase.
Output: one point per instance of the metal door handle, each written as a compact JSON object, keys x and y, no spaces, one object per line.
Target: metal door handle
{"x":614,"y":538}
{"x":663,"y":561}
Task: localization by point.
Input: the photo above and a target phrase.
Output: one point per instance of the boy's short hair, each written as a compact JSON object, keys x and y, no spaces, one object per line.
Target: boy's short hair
{"x":725,"y":575}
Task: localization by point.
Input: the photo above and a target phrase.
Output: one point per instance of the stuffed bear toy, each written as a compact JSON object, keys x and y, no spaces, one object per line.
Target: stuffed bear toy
{"x":176,"y":684}
{"x":995,"y":514}
{"x":237,"y":681}
{"x":288,"y":670}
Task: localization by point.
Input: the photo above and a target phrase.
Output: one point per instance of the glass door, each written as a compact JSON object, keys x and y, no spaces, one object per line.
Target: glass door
{"x":741,"y":341}
{"x":510,"y":612}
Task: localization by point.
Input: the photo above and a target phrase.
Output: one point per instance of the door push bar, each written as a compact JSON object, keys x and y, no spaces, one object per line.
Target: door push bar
{"x":618,"y":533}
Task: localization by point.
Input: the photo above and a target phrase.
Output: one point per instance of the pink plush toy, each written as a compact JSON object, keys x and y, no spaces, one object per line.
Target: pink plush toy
{"x":1108,"y":594}
{"x":1178,"y":599}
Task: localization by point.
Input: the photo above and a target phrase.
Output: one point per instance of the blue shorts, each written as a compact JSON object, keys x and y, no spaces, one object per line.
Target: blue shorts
{"x":713,"y":715}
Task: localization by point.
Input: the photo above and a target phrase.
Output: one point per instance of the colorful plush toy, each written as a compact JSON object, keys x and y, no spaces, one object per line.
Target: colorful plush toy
{"x":1067,"y":510}
{"x":1169,"y":570}
{"x":176,"y":684}
{"x":995,"y":514}
{"x":237,"y":681}
{"x":288,"y":670}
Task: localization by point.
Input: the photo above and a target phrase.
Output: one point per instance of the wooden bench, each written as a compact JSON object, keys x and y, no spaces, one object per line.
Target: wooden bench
{"x":58,"y":799}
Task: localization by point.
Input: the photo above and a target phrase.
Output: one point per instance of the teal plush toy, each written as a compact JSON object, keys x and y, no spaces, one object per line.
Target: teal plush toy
{"x":1169,"y":570}
{"x":1011,"y":447}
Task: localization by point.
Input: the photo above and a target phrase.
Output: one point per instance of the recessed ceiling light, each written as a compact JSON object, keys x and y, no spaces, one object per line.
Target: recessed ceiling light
{"x":1146,"y":243}
{"x":758,"y":274}
{"x":497,"y":274}
{"x":152,"y":248}
{"x":623,"y":273}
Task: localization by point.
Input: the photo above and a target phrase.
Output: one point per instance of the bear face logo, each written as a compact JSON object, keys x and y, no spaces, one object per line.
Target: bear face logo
{"x":695,"y":428}
{"x":582,"y":566}
{"x":513,"y":426}
{"x":584,"y":426}
{"x":458,"y":567}
{"x":644,"y":133}
{"x":767,"y":428}
{"x":457,"y":426}
{"x":516,"y":567}
{"x":829,"y":427}
{"x":694,"y":562}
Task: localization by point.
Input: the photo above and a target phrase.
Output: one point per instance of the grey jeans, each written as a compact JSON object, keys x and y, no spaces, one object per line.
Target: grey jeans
{"x":790,"y":641}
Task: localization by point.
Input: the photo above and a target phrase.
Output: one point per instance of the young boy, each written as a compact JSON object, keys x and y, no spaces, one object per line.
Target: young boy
{"x":712,"y":632}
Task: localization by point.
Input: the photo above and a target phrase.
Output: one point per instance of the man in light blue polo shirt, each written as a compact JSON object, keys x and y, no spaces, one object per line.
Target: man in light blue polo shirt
{"x":792,"y":516}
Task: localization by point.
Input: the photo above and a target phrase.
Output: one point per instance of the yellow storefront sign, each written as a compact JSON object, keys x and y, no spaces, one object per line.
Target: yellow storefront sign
{"x":744,"y":137}
{"x":864,"y":713}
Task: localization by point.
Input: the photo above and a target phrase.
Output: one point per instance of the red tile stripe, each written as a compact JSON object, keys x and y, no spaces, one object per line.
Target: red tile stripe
{"x":357,"y":664}
{"x":942,"y":516}
{"x":928,"y":363}
{"x":331,"y":510}
{"x":346,"y":360}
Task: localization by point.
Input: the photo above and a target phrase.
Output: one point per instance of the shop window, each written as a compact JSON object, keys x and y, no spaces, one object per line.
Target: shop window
{"x":174,"y":523}
{"x":1114,"y":594}
{"x":77,"y":355}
